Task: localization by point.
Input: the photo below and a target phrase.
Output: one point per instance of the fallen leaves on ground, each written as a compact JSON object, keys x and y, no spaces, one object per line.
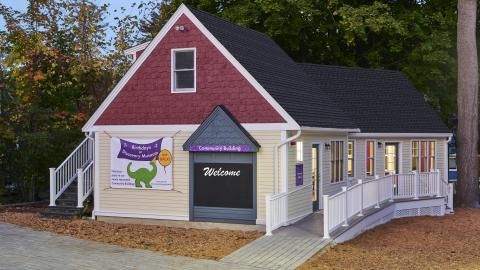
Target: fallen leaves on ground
{"x":196,"y":243}
{"x":449,"y":242}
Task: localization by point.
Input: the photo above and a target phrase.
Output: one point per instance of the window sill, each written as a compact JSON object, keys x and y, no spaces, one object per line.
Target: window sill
{"x":183,"y":90}
{"x":337,"y":182}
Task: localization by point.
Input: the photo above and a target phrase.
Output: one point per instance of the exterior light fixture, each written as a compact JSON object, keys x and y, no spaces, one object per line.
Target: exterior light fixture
{"x":180,"y":28}
{"x":380,"y":144}
{"x":327,"y":146}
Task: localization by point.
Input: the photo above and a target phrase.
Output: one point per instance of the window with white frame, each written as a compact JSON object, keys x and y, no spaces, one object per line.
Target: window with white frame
{"x":351,"y":159}
{"x":299,"y":150}
{"x":423,"y":156}
{"x":370,"y":158}
{"x":336,"y":161}
{"x":183,"y":70}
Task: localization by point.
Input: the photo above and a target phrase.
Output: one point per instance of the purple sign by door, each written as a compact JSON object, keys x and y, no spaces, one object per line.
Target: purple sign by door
{"x":299,"y":175}
{"x":220,"y":148}
{"x":140,"y":152}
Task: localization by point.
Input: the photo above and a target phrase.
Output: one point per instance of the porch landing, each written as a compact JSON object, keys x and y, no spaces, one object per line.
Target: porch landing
{"x":287,"y":248}
{"x":310,"y":226}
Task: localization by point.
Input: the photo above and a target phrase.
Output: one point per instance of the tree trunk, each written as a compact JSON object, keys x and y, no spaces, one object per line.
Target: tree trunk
{"x":467,"y":101}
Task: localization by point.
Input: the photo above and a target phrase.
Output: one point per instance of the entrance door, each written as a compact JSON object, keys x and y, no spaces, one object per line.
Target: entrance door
{"x":391,"y":158}
{"x":315,"y":177}
{"x":223,"y":187}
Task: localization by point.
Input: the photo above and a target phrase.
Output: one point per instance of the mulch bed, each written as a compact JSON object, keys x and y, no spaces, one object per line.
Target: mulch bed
{"x":450,"y":242}
{"x":203,"y":244}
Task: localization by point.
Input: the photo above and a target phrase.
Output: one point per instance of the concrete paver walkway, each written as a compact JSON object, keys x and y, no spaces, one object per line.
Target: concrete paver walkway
{"x":287,"y":248}
{"x":22,"y":248}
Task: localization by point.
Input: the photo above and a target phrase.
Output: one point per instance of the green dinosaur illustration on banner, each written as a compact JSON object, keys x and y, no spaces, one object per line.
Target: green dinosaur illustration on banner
{"x":143,"y":174}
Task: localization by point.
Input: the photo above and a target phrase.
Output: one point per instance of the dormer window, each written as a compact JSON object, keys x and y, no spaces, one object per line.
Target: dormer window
{"x":183,"y":70}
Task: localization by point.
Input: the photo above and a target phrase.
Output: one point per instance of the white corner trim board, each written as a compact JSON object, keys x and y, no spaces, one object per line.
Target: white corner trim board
{"x":96,"y":179}
{"x":183,"y":10}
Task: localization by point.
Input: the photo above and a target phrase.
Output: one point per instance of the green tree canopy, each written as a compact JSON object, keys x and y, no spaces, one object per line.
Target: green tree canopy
{"x":57,"y":63}
{"x":415,"y":37}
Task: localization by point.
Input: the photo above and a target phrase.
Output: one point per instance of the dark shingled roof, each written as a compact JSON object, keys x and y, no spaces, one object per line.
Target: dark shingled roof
{"x":283,"y":79}
{"x":327,"y":96}
{"x":377,"y":100}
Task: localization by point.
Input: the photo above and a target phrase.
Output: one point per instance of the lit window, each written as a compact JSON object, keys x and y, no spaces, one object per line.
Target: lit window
{"x":431,"y":152}
{"x":415,"y":156}
{"x":350,"y":165}
{"x":183,"y":70}
{"x":299,"y":146}
{"x":336,"y":161}
{"x":370,"y":161}
{"x":423,"y":156}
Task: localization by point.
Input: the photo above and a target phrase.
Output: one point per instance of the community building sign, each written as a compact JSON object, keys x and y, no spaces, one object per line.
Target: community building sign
{"x":142,"y":163}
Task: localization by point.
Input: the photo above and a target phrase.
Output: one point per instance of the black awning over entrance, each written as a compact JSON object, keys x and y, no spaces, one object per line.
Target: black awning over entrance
{"x":222,"y":170}
{"x":221,"y":132}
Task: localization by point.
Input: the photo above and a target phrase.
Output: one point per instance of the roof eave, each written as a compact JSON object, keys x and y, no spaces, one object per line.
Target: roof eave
{"x":324,"y":129}
{"x":401,"y":135}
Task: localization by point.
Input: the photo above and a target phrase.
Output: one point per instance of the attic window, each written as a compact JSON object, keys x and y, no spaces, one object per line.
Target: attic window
{"x":183,"y":70}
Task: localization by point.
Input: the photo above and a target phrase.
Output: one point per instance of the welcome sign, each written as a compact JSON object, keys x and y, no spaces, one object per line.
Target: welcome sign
{"x":142,"y":163}
{"x":223,"y":185}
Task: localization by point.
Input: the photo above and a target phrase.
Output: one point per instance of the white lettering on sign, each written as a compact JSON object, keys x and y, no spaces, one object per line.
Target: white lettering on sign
{"x":219,"y":172}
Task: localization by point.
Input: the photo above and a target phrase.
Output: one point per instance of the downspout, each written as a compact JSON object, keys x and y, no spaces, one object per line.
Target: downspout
{"x":275,"y":159}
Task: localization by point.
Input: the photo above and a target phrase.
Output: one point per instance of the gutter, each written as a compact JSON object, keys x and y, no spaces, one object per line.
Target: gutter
{"x":275,"y":159}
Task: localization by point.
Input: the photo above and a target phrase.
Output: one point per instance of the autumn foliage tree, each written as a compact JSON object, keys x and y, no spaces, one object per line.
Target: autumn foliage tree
{"x":56,"y":68}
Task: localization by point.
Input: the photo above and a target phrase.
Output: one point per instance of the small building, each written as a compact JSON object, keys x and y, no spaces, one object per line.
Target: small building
{"x":215,"y":122}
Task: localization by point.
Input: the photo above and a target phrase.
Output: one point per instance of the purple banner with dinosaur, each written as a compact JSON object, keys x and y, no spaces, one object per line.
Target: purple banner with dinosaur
{"x":142,"y":163}
{"x":140,"y":152}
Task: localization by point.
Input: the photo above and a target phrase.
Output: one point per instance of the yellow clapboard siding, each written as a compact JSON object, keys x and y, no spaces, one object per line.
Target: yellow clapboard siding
{"x":176,"y":202}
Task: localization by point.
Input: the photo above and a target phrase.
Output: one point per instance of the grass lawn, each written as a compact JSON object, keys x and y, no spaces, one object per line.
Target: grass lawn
{"x":450,"y":242}
{"x":205,"y":244}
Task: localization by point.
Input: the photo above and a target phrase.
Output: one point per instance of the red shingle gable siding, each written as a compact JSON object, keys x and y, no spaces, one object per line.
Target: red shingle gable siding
{"x":147,"y":99}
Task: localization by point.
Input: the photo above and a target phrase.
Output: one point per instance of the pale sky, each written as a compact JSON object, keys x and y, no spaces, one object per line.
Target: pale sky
{"x":114,"y":4}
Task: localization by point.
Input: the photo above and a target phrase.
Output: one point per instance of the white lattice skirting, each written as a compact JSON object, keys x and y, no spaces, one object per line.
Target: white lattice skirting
{"x":422,"y":207}
{"x":422,"y":211}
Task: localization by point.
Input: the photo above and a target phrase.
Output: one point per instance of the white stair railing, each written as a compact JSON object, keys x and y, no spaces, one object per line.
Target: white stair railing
{"x":404,"y":186}
{"x":276,"y":207}
{"x":414,"y":185}
{"x":446,"y":190}
{"x":352,"y":201}
{"x":85,"y":184}
{"x":276,"y":213}
{"x":385,"y":188}
{"x":63,"y":176}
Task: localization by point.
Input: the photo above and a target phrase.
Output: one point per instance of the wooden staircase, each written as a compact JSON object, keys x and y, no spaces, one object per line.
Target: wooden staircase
{"x":66,"y":204}
{"x":72,"y":182}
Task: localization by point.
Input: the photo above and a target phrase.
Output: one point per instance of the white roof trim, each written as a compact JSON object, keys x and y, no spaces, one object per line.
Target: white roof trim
{"x":303,"y":128}
{"x":396,"y":135}
{"x":183,"y":10}
{"x":146,"y":128}
{"x":137,"y":48}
